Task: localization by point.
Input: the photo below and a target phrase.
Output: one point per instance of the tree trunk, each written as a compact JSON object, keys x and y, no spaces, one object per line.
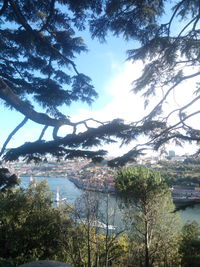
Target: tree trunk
{"x":106,"y":256}
{"x":147,"y":260}
{"x":89,"y":255}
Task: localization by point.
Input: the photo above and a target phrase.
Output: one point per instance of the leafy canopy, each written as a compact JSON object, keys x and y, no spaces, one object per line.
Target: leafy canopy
{"x":38,"y":49}
{"x":31,"y":228}
{"x":140,"y":183}
{"x":149,"y":211}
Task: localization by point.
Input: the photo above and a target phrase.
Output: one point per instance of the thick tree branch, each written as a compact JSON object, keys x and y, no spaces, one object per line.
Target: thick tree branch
{"x":90,"y":138}
{"x":7,"y":94}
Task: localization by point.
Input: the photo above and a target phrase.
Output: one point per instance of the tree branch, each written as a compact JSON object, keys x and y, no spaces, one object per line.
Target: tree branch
{"x":13,"y":133}
{"x":90,"y":138}
{"x":150,"y":115}
{"x":173,"y":16}
{"x":5,"y":5}
{"x":42,"y":133}
{"x":7,"y":94}
{"x":52,"y":5}
{"x":187,"y":25}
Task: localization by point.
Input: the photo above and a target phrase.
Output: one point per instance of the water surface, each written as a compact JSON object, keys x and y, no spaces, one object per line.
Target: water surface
{"x":69,"y":191}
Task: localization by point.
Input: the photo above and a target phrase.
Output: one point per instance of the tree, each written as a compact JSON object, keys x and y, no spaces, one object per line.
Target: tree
{"x":190,"y":244}
{"x":168,"y":43}
{"x":37,"y":62}
{"x":154,"y":225}
{"x":103,"y":244}
{"x":7,"y":180}
{"x":38,"y":39}
{"x":30,"y":227}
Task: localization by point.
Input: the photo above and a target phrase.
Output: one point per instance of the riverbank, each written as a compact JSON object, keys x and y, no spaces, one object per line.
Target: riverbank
{"x":84,"y":185}
{"x":71,"y":192}
{"x":105,"y":188}
{"x":89,"y":186}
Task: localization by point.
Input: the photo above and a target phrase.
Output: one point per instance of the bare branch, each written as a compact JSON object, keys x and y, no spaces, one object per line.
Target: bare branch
{"x":168,"y":92}
{"x":187,"y":25}
{"x":177,"y":136}
{"x":190,"y":103}
{"x":173,"y":15}
{"x":174,"y":127}
{"x":12,"y":134}
{"x":42,"y":133}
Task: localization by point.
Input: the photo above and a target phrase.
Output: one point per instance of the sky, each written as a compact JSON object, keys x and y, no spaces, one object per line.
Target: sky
{"x":112,"y":76}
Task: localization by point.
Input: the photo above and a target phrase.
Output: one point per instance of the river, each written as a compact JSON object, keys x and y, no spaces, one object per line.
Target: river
{"x":69,"y":191}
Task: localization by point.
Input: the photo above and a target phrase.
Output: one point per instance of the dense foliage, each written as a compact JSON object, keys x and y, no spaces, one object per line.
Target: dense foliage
{"x":181,"y":173}
{"x":28,"y":223}
{"x":32,"y":228}
{"x":190,"y":245}
{"x":7,"y":180}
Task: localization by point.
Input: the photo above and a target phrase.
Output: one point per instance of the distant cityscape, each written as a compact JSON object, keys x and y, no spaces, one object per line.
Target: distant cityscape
{"x":98,"y":177}
{"x":54,"y":168}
